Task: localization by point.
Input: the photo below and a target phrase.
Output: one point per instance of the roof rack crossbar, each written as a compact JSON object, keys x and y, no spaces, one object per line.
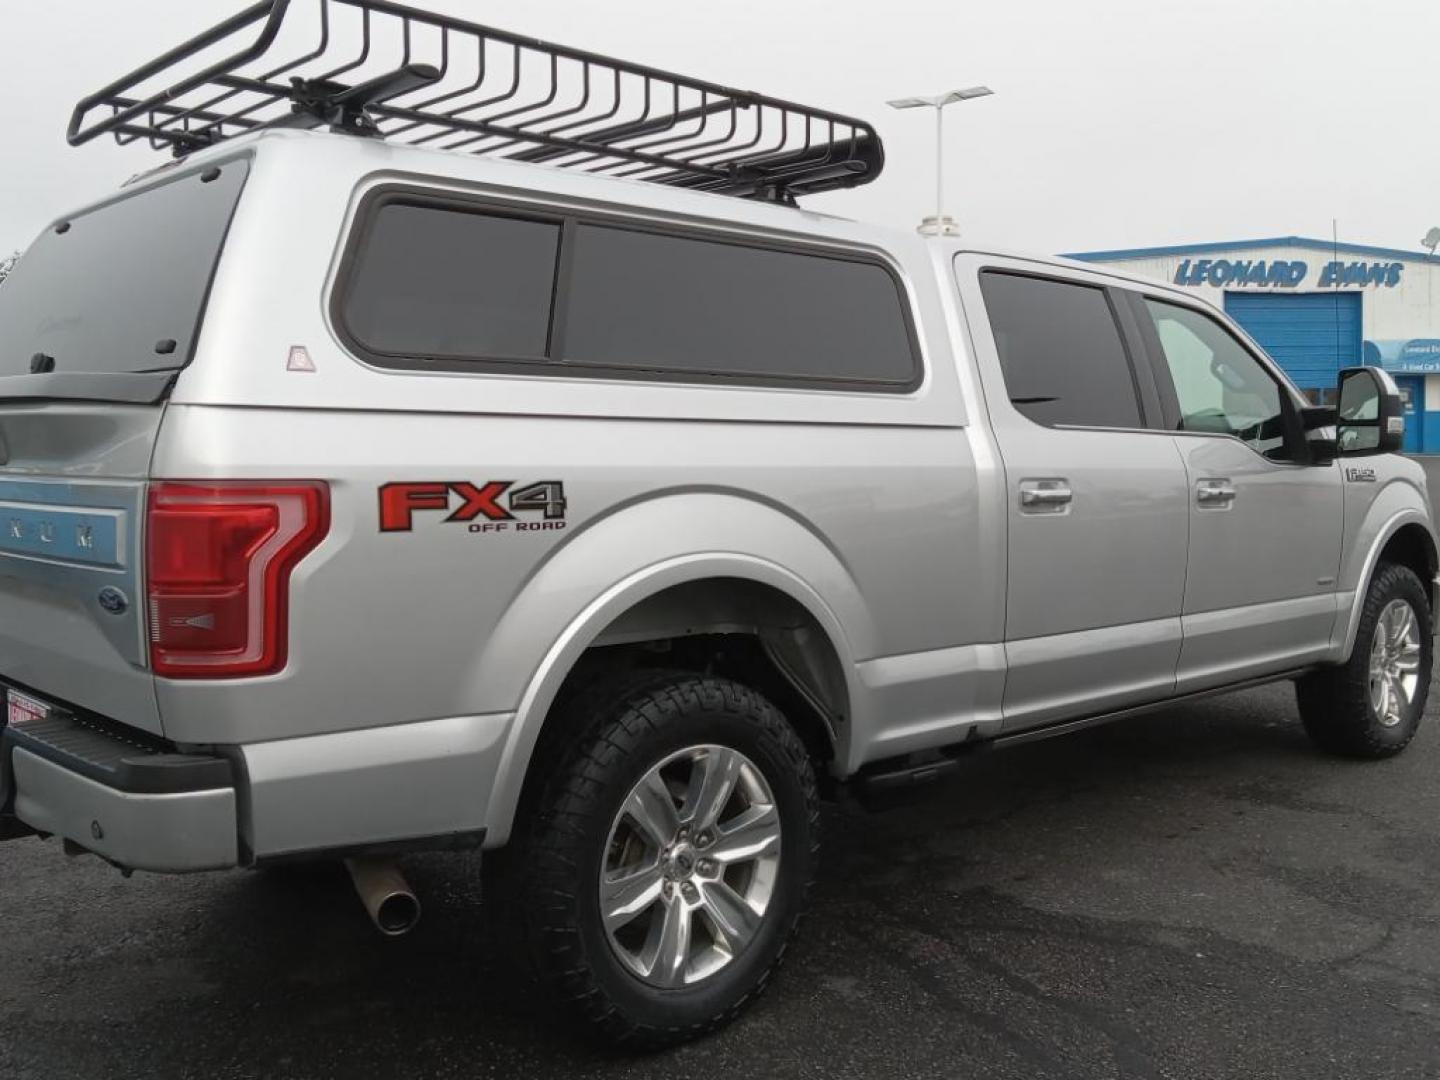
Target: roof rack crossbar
{"x":382,"y":69}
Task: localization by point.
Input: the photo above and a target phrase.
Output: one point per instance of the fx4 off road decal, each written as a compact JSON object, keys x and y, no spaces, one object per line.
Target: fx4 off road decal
{"x":494,"y":506}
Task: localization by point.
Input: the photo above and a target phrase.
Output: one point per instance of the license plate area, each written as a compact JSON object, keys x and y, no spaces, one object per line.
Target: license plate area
{"x":22,"y":709}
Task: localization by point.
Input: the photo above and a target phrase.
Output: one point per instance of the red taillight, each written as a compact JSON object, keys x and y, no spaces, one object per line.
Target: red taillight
{"x":218,"y":561}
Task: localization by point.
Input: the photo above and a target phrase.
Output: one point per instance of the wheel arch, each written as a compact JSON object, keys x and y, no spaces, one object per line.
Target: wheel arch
{"x":1404,"y":536}
{"x":772,"y":579}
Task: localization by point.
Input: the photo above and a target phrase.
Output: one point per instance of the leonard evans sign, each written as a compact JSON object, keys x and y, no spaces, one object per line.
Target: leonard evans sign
{"x":1287,"y":273}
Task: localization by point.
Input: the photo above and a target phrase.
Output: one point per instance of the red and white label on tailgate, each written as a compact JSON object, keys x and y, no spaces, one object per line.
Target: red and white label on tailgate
{"x":23,"y":710}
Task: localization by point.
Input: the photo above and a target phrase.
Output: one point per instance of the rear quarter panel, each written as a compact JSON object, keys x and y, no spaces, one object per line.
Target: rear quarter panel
{"x":441,"y":620}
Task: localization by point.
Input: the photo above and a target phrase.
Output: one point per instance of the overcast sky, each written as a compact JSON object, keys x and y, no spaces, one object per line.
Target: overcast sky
{"x":1116,"y":123}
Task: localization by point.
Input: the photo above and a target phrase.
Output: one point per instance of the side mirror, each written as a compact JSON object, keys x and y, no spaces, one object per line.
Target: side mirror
{"x":1370,"y":417}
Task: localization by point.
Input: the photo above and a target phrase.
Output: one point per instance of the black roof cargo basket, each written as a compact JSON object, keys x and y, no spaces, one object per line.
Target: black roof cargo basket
{"x":372,"y":67}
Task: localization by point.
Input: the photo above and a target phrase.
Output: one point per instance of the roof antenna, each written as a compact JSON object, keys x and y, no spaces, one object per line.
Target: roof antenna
{"x":1335,"y":257}
{"x":941,"y":224}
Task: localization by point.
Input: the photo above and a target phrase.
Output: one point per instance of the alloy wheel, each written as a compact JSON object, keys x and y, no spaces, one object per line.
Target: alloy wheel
{"x":1394,"y":662}
{"x":691,"y":865}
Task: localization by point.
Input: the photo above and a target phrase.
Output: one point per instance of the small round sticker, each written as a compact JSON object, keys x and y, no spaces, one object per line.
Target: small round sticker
{"x":114,"y":601}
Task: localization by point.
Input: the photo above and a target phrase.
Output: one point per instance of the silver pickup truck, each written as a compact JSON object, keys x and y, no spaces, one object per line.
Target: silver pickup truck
{"x":409,"y":466}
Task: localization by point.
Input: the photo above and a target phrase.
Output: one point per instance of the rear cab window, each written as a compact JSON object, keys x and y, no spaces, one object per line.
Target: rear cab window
{"x":107,"y":305}
{"x":460,"y":287}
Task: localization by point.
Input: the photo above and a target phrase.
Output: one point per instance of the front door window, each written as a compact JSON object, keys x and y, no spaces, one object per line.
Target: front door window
{"x":1222,"y":389}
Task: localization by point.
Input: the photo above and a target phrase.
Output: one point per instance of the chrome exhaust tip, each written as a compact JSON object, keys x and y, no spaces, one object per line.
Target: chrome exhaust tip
{"x":387,"y":897}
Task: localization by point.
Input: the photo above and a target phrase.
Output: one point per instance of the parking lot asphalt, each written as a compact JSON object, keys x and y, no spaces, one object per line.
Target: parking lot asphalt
{"x":1197,"y":893}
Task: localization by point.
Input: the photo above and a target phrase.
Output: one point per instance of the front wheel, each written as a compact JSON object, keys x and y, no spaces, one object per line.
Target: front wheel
{"x":1370,"y":706}
{"x":671,"y":857}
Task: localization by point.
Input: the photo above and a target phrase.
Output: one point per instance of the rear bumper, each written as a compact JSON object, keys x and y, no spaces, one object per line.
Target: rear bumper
{"x":127,"y":798}
{"x":133,"y":799}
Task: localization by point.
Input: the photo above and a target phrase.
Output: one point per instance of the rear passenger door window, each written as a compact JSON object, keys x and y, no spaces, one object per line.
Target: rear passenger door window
{"x":1061,"y":353}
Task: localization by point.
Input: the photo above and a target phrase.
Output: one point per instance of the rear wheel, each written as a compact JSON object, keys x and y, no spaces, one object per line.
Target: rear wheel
{"x":665,"y":872}
{"x":1370,"y":706}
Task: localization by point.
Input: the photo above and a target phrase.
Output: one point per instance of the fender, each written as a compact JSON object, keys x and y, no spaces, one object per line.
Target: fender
{"x":1395,"y":506}
{"x":644,"y":549}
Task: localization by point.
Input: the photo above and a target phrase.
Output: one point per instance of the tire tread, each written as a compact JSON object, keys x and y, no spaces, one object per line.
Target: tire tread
{"x":1335,"y":701}
{"x":623,"y":713}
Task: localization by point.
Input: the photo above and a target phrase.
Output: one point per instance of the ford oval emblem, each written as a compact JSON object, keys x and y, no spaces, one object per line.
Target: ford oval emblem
{"x":114,"y":601}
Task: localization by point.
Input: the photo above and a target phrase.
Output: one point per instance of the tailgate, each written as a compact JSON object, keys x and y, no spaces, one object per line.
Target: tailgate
{"x":72,"y":493}
{"x":96,"y":321}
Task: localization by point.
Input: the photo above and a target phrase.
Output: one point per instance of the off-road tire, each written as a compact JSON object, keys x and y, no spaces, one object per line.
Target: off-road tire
{"x":624,"y":728}
{"x":1335,"y":702}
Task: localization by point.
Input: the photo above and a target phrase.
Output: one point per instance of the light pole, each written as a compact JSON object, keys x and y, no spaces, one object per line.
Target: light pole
{"x":1431,"y":241}
{"x":940,"y":224}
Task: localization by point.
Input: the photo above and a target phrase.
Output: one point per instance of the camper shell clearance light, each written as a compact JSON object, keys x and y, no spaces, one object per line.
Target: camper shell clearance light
{"x":379,"y":69}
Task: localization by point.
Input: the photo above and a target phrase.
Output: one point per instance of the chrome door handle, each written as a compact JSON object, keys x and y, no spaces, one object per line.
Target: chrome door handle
{"x":1214,"y":493}
{"x":1045,"y":494}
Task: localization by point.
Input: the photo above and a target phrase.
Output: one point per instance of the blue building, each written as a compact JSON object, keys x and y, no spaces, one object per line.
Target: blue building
{"x":1317,"y":307}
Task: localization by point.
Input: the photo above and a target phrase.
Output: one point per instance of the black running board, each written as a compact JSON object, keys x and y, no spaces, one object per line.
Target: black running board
{"x":895,"y":781}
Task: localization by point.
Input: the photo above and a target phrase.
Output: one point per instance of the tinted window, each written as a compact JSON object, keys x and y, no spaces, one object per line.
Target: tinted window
{"x":679,"y":304}
{"x":1221,"y":388}
{"x":448,"y":283}
{"x":1061,"y":352}
{"x":100,"y":292}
